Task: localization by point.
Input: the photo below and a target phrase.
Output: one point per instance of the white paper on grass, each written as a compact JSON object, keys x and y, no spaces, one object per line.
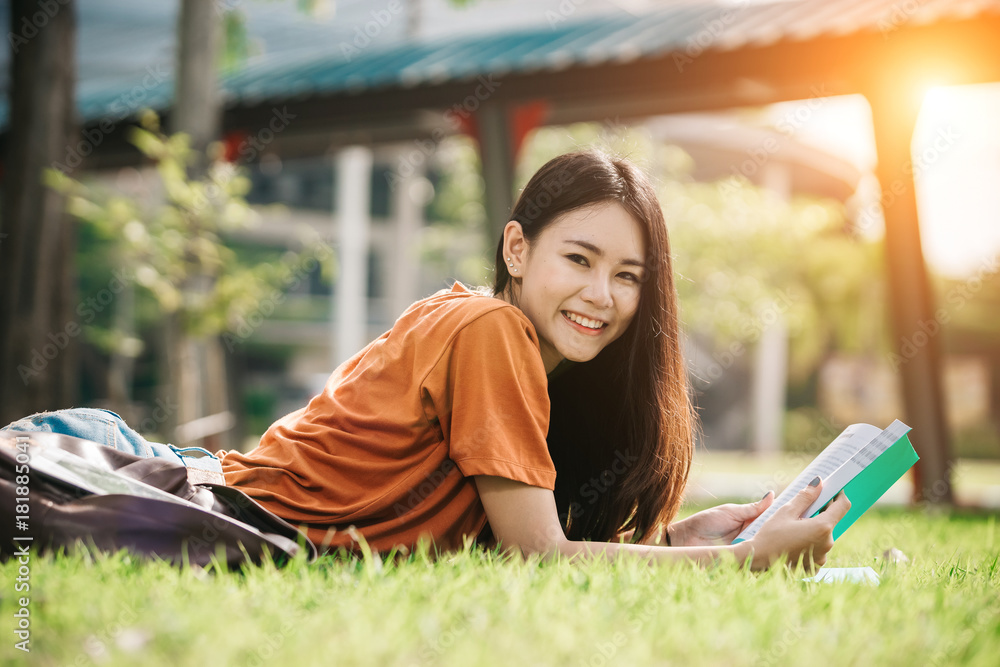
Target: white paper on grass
{"x":853,"y":575}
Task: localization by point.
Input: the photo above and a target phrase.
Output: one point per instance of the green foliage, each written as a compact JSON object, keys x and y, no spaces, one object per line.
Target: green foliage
{"x":745,"y":257}
{"x":457,"y":234}
{"x":171,"y":241}
{"x":99,"y":265}
{"x":476,"y":607}
{"x":236,"y":44}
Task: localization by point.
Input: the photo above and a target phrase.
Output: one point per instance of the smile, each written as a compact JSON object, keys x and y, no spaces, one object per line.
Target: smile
{"x":590,"y":326}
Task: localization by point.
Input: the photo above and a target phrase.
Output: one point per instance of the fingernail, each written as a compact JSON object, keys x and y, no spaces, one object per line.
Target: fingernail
{"x":815,"y":482}
{"x":765,"y":496}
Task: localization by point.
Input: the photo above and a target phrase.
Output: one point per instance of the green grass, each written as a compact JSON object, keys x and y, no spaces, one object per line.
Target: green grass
{"x":477,"y":608}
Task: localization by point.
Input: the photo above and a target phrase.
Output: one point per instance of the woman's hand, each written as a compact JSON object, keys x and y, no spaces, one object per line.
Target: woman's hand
{"x":718,"y":525}
{"x":805,"y":541}
{"x":524,"y":518}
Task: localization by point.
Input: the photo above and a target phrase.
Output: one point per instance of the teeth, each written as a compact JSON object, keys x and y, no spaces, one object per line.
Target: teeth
{"x":590,"y":324}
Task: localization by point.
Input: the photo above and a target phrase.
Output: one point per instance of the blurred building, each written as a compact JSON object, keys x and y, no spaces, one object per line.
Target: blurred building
{"x":371,"y":88}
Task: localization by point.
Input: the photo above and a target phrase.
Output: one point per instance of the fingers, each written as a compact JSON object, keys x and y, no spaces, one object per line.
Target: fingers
{"x":750,"y":511}
{"x":804,"y":498}
{"x":840,"y":506}
{"x":765,"y":502}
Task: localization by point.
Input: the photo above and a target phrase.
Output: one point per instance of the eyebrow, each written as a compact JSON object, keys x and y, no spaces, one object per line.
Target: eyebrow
{"x":600,"y":253}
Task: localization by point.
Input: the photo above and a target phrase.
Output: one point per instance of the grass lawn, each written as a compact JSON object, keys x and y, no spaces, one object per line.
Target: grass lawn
{"x":476,"y":608}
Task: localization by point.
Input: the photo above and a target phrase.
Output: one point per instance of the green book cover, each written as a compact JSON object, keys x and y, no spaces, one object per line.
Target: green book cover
{"x":871,"y":483}
{"x":863,"y":460}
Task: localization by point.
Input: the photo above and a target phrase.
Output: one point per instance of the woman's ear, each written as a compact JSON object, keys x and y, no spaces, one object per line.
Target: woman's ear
{"x":515,"y":247}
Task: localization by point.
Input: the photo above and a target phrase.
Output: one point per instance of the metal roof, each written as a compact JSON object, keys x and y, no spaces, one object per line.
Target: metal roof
{"x":325,"y":64}
{"x":687,"y":28}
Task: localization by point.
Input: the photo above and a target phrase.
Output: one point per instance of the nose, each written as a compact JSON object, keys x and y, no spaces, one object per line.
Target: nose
{"x":598,"y":291}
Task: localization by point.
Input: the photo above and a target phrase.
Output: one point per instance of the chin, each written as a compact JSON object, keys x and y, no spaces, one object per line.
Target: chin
{"x":580,"y":358}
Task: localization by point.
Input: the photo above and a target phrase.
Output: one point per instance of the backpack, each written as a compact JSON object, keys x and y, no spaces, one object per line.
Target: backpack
{"x":57,"y":491}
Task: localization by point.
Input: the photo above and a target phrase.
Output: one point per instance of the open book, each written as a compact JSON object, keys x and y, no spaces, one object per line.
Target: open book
{"x":863,"y":461}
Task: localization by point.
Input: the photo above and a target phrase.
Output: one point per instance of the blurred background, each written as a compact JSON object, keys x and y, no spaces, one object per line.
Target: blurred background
{"x":207,"y":206}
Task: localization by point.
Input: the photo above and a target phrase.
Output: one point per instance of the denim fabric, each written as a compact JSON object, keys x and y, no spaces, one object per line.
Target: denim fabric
{"x":107,"y":428}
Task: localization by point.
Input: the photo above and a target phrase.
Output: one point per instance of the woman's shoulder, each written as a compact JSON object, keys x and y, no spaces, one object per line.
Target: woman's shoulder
{"x":473,"y":313}
{"x":461,"y":305}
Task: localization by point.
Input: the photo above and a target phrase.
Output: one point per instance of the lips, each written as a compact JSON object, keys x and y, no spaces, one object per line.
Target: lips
{"x":588,"y":324}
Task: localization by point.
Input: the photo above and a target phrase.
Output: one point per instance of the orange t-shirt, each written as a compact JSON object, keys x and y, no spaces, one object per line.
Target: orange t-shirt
{"x":456,"y":388}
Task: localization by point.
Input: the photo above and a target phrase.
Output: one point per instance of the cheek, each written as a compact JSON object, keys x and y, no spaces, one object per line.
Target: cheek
{"x":630,"y":306}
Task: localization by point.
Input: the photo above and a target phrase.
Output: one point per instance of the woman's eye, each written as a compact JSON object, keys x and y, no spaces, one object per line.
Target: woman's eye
{"x":578,"y":259}
{"x":631,"y":277}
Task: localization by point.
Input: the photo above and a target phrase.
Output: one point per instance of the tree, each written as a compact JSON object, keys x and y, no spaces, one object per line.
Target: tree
{"x":166,"y":244}
{"x":195,"y":367}
{"x":38,"y":335}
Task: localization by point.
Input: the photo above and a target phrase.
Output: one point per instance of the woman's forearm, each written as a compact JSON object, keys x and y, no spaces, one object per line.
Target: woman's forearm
{"x":661,"y":536}
{"x":704,"y":556}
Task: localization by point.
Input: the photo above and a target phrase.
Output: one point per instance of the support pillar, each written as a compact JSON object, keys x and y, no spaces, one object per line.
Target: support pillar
{"x":407,"y":206}
{"x":770,"y":386}
{"x":354,"y":168}
{"x":916,"y":338}
{"x":496,"y":152}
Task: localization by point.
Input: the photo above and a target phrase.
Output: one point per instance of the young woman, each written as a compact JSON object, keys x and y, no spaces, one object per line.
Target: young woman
{"x":551,"y":410}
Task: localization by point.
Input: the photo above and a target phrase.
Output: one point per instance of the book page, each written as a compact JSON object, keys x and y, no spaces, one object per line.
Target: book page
{"x":861,"y":460}
{"x":852,"y":440}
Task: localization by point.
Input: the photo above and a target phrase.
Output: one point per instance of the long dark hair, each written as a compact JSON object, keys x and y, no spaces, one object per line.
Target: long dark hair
{"x":621,"y":425}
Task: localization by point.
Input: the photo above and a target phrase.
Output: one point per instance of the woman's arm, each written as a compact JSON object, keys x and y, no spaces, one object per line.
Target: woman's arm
{"x":525,"y":517}
{"x":660,"y":536}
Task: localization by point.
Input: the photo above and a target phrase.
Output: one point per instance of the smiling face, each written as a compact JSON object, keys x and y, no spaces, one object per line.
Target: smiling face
{"x":579,"y":281}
